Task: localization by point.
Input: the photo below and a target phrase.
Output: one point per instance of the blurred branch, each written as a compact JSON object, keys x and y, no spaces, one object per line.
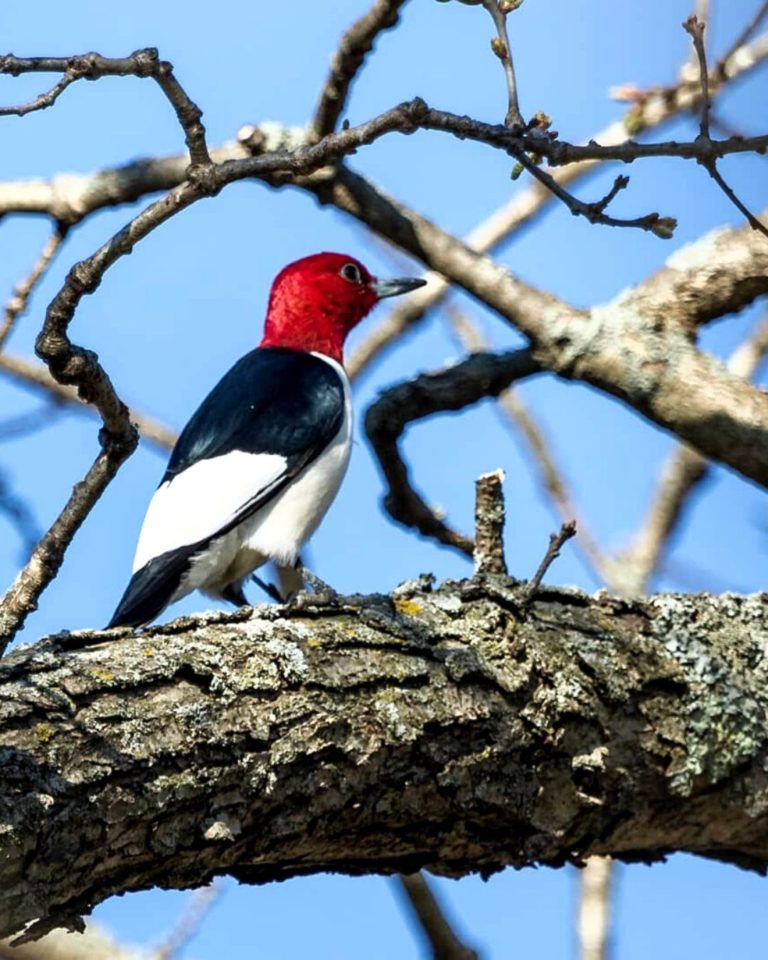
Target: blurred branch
{"x":550,"y":475}
{"x":92,"y":944}
{"x":19,"y":300}
{"x":595,"y":908}
{"x":684,"y":471}
{"x":479,"y":376}
{"x":27,"y":373}
{"x":194,"y":913}
{"x":19,"y":515}
{"x":745,"y":36}
{"x":353,"y":48}
{"x":442,"y":938}
{"x":24,"y":424}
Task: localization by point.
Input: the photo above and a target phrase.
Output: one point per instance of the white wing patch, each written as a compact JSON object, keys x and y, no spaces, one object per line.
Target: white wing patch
{"x":202,"y":499}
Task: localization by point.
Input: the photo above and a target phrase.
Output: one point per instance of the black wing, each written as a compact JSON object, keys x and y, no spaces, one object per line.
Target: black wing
{"x":273,"y":400}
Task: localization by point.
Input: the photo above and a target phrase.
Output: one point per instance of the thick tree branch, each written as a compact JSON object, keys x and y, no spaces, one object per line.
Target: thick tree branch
{"x":448,"y":730}
{"x":684,"y":471}
{"x":635,"y":347}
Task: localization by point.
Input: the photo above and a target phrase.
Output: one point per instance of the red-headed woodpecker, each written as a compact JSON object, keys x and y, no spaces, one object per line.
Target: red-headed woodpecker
{"x":256,"y":468}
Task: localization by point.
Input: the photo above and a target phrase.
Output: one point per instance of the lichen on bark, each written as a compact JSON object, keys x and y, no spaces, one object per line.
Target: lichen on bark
{"x":456,"y":729}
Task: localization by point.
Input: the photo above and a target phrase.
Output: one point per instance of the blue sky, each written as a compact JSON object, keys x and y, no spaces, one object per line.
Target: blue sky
{"x":170,"y":319}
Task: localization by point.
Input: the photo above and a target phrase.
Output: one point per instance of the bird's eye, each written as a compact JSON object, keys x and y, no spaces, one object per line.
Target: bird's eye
{"x":351,"y":272}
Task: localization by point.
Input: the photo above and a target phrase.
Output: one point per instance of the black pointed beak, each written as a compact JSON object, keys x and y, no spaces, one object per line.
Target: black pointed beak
{"x":393,"y":288}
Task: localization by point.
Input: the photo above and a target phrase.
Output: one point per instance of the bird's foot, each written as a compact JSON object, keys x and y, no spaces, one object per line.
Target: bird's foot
{"x":234,"y":594}
{"x":269,"y":588}
{"x":322,"y":593}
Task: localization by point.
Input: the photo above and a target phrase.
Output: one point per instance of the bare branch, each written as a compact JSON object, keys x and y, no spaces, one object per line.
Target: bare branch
{"x":92,"y":66}
{"x":595,"y":908}
{"x":680,"y":388}
{"x":481,"y":375}
{"x":488,"y":553}
{"x":503,"y":51}
{"x":442,"y":938}
{"x":663,"y":227}
{"x":353,"y":48}
{"x":42,"y":101}
{"x":556,"y":541}
{"x":651,"y":109}
{"x":22,"y":292}
{"x":23,"y":594}
{"x":684,"y":471}
{"x":695,"y":28}
{"x":71,"y":197}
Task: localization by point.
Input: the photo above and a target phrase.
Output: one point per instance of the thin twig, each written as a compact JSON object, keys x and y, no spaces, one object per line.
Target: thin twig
{"x":349,"y":57}
{"x":663,"y":227}
{"x":92,"y":66}
{"x":443,"y":940}
{"x":22,"y":292}
{"x":650,"y":109}
{"x":556,"y":541}
{"x":503,"y":51}
{"x":488,"y":553}
{"x":41,"y":102}
{"x":695,"y":28}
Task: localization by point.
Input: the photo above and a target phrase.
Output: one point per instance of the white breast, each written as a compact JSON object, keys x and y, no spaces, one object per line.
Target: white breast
{"x":280,"y":529}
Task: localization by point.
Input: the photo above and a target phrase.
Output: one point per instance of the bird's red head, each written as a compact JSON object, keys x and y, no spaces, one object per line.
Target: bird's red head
{"x":316,"y":301}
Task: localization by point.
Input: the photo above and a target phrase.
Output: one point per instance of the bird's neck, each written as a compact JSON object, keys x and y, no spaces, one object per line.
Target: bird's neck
{"x":294,"y":323}
{"x":329,"y":346}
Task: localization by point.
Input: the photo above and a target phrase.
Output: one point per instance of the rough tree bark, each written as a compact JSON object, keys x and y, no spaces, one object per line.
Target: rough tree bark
{"x":454,"y":729}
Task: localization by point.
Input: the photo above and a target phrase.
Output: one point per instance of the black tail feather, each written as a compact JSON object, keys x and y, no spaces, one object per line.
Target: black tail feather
{"x":152,"y":588}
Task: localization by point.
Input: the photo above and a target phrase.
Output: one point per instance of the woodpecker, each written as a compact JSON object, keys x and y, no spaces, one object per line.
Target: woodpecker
{"x":261,"y":460}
